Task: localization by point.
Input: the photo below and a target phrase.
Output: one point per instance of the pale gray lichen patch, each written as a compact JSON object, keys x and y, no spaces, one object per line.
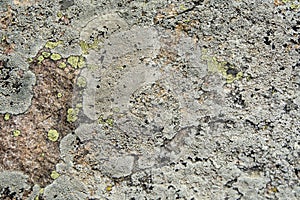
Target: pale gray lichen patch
{"x":16,"y":86}
{"x":67,"y":188}
{"x":12,"y":183}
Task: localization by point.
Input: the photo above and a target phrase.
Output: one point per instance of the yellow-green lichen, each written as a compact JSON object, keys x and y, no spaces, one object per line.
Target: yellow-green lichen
{"x":294,"y":4}
{"x":52,"y":45}
{"x":6,"y":116}
{"x":110,"y":122}
{"x":55,"y":56}
{"x":85,"y":47}
{"x":227,"y":70}
{"x":59,"y":14}
{"x":54,"y":175}
{"x":62,"y":65}
{"x":108,"y":188}
{"x":16,"y":133}
{"x":53,"y":135}
{"x":59,"y":95}
{"x":30,"y":60}
{"x":106,"y":121}
{"x":92,"y":67}
{"x":40,"y":59}
{"x":79,"y":105}
{"x":81,"y":62}
{"x":76,"y":61}
{"x":182,"y":7}
{"x":73,"y":61}
{"x":41,"y":191}
{"x":46,"y":54}
{"x":72,"y":114}
{"x":81,"y":82}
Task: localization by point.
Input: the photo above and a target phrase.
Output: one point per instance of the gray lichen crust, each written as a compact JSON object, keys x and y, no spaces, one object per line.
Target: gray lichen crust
{"x":13,"y":184}
{"x":16,"y":86}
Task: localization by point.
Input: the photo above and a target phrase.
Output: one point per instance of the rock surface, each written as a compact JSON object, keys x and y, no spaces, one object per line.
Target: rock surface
{"x":152,"y":99}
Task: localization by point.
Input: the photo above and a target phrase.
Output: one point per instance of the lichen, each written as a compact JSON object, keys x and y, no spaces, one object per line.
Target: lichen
{"x":73,"y":61}
{"x":227,"y":70}
{"x":76,"y":61}
{"x":6,"y":116}
{"x":81,"y":62}
{"x":52,"y":45}
{"x":55,"y":56}
{"x":62,"y":65}
{"x":53,"y":135}
{"x":54,"y":175}
{"x":81,"y":82}
{"x":46,"y":54}
{"x":40,"y":59}
{"x":59,"y":95}
{"x":72,"y":114}
{"x":108,"y":188}
{"x":16,"y":133}
{"x":85,"y":47}
{"x":109,"y":121}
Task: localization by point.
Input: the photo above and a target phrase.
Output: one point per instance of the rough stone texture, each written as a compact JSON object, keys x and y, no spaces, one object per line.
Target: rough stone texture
{"x":13,"y":184}
{"x":15,"y":86}
{"x":183,"y":99}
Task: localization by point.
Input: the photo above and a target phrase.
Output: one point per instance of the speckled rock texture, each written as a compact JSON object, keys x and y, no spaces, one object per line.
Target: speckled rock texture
{"x":151,"y":99}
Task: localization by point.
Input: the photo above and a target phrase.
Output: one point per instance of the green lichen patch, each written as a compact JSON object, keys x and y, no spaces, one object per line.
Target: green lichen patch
{"x":54,"y":175}
{"x":6,"y":116}
{"x":53,"y":135}
{"x":73,"y":61}
{"x":81,"y":62}
{"x":59,"y":95}
{"x":230,"y":72}
{"x":72,"y":114}
{"x":40,"y":59}
{"x":52,"y":45}
{"x":16,"y":133}
{"x":292,"y":4}
{"x":55,"y":56}
{"x":62,"y":65}
{"x":81,"y":82}
{"x":76,"y":61}
{"x":46,"y":54}
{"x":85,"y":47}
{"x":109,"y":121}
